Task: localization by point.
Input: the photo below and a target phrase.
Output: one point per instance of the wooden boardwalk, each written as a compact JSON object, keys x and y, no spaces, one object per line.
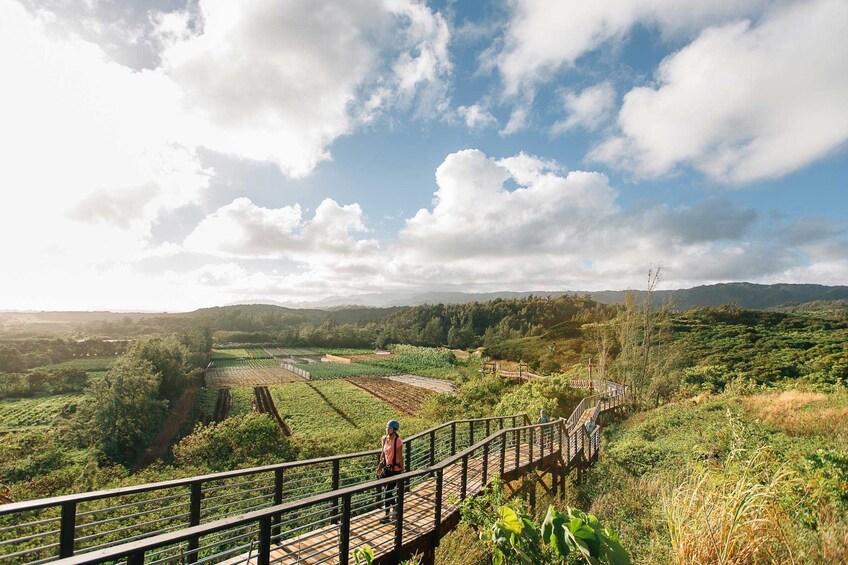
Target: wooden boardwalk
{"x":322,"y":545}
{"x":338,"y":512}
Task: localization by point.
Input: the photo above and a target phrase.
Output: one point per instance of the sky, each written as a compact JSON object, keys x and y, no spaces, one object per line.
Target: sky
{"x":168,"y":155}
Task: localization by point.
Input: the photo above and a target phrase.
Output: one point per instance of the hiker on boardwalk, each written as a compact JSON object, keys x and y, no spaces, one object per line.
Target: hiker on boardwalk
{"x":390,"y":464}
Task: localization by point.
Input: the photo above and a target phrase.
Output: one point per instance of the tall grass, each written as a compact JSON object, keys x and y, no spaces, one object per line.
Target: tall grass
{"x":730,"y":512}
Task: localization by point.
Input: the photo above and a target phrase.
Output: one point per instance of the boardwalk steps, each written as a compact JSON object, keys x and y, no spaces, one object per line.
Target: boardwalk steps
{"x":314,"y":511}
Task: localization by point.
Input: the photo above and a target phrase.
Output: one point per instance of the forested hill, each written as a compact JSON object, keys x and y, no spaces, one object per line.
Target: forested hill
{"x":743,"y":294}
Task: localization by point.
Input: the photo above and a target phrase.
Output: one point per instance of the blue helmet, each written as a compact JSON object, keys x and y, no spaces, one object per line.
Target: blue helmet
{"x":393,"y":424}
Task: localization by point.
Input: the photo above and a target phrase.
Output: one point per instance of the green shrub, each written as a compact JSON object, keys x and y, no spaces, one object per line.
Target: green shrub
{"x":552,"y":394}
{"x":635,"y":455}
{"x":239,"y":441}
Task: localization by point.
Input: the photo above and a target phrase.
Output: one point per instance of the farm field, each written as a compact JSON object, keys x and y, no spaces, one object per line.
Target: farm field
{"x":404,"y":397}
{"x":93,"y":364}
{"x":340,"y":371}
{"x":424,"y":361}
{"x":329,"y":407}
{"x":19,"y":413}
{"x":243,"y":376}
{"x":241,"y":357}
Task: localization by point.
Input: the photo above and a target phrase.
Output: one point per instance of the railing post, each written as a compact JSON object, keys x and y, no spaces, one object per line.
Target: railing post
{"x":278,"y":487}
{"x":531,"y":444}
{"x":408,"y":456}
{"x":136,"y":558}
{"x":463,"y":485}
{"x":559,"y":436}
{"x":470,"y":433}
{"x":485,"y":464}
{"x":432,"y":448}
{"x":503,"y":455}
{"x":194,"y":518}
{"x":336,"y":483}
{"x":488,"y":428}
{"x":440,"y":481}
{"x":513,"y":421}
{"x":399,"y":488}
{"x":278,"y":496}
{"x":517,"y":434}
{"x":453,"y":438}
{"x":68,"y":529}
{"x":264,"y":555}
{"x":344,"y":531}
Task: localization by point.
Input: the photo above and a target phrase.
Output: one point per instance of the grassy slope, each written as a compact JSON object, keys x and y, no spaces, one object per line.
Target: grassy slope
{"x":647,"y":453}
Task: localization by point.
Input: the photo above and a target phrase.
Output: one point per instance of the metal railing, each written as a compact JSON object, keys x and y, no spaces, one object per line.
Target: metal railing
{"x":100,"y":523}
{"x":326,"y":528}
{"x":38,"y":531}
{"x":296,"y":370}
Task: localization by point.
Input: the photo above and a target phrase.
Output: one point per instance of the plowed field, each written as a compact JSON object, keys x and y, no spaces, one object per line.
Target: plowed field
{"x":405,"y":398}
{"x":265,"y":405}
{"x":250,"y":376}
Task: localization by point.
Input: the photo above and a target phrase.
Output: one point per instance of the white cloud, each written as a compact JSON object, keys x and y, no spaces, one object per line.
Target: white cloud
{"x":588,"y":109}
{"x":95,"y":153}
{"x":544,"y":36}
{"x":92,"y":151}
{"x":280,"y":81}
{"x":517,"y":121}
{"x":742,"y":103}
{"x":562,"y":229}
{"x":476,"y":117}
{"x":243,"y":229}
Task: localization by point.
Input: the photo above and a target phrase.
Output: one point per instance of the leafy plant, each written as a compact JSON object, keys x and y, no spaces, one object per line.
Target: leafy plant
{"x":572,"y":536}
{"x":363,"y":555}
{"x":579,"y":532}
{"x":561,"y":538}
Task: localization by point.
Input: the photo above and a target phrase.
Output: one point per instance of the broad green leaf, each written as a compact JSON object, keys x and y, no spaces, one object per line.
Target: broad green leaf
{"x":510,"y":520}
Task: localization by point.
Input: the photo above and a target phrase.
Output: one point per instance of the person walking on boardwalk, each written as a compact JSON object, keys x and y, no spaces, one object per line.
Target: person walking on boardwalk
{"x":391,"y":463}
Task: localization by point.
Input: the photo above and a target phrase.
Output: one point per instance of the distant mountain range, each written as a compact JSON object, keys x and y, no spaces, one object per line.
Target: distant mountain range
{"x":745,"y":295}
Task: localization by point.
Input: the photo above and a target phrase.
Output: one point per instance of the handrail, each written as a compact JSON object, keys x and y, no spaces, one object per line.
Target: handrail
{"x":131,"y":549}
{"x":74,"y":523}
{"x":39,"y":503}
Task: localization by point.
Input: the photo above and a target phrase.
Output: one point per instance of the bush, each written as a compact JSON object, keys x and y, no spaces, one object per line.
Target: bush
{"x":239,"y":441}
{"x":552,"y":394}
{"x":636,"y":456}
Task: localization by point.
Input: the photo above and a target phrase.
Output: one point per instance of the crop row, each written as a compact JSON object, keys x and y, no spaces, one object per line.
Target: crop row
{"x":234,"y":376}
{"x":431,"y":357}
{"x":343,"y":351}
{"x":291,"y":351}
{"x":406,"y":398}
{"x":16,"y":413}
{"x":245,"y":363}
{"x":330,"y":407}
{"x":240,"y":353}
{"x":83,"y":364}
